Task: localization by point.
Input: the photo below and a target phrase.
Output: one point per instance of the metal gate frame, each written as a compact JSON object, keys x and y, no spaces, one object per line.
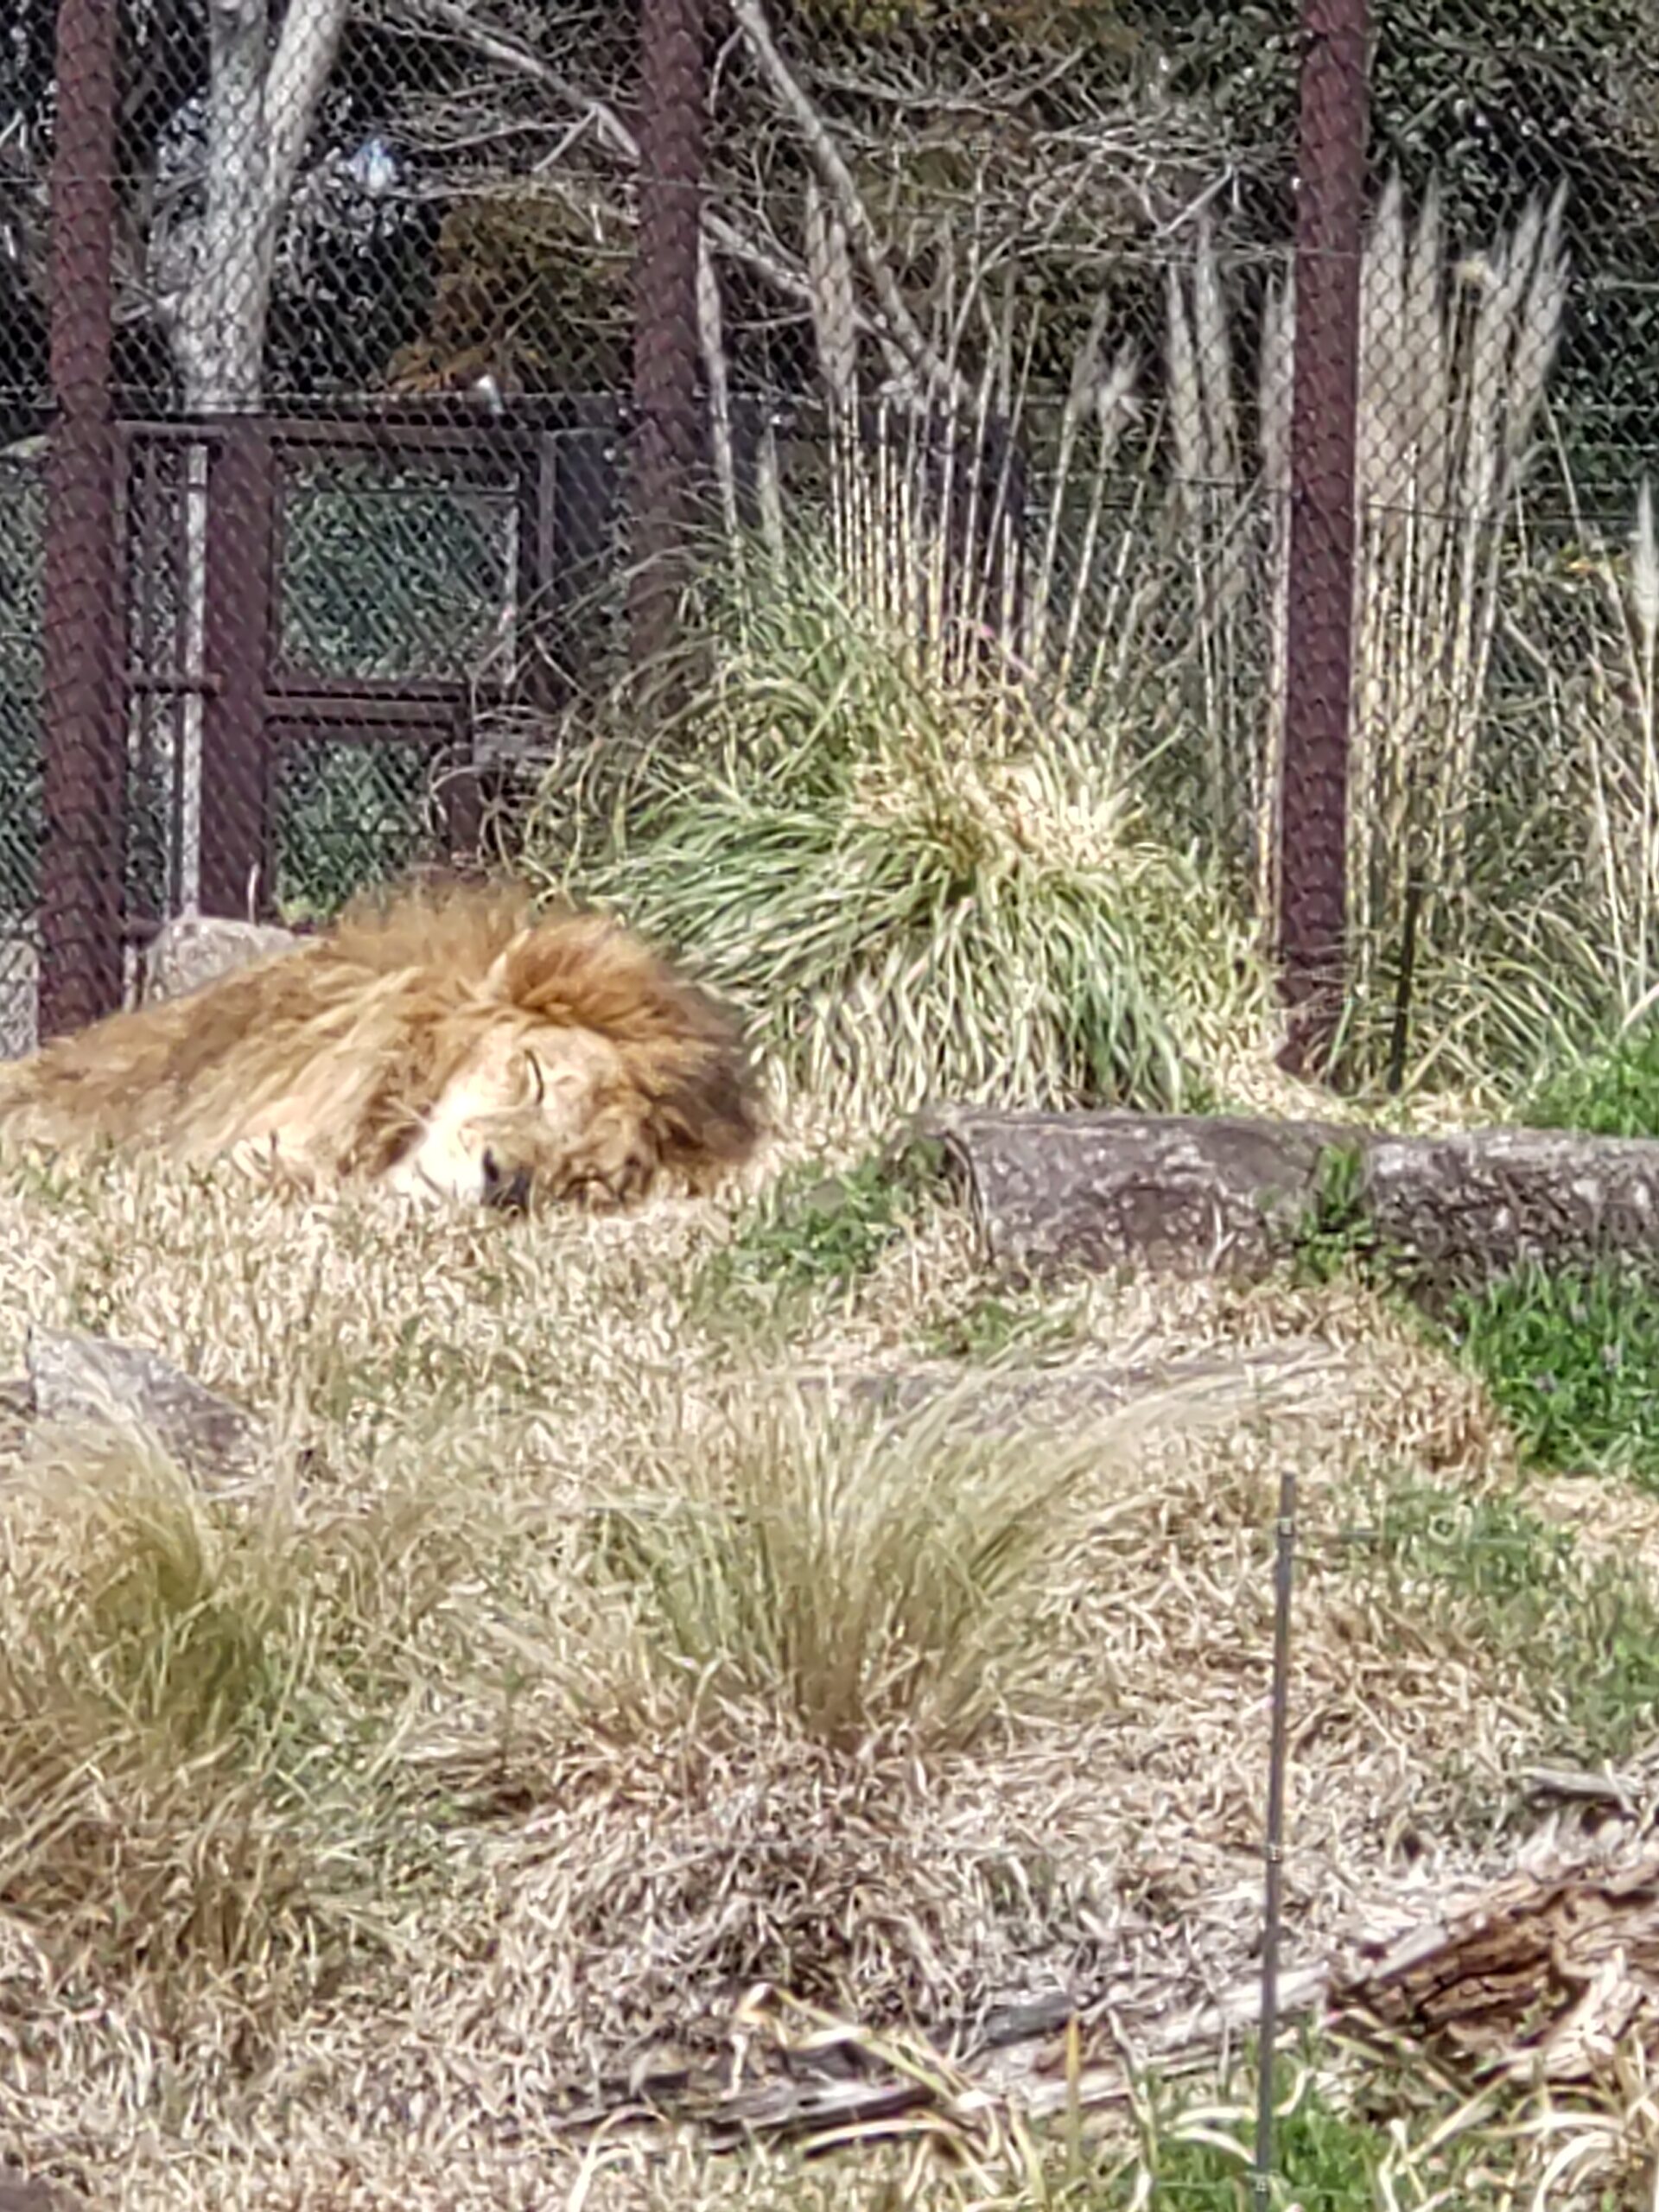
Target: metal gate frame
{"x":558,"y":463}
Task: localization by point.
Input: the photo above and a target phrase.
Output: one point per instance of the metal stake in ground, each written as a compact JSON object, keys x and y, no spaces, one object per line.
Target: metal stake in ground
{"x":1284,"y":1560}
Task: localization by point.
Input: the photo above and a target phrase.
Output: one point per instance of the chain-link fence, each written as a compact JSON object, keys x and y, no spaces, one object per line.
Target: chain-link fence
{"x":1252,"y":400}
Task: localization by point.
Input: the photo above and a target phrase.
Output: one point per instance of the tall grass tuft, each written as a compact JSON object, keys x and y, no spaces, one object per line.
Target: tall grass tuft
{"x":970,"y":795}
{"x":860,"y":1580}
{"x":1453,"y":366}
{"x":146,"y":1669}
{"x":1216,"y":541}
{"x":919,"y":887}
{"x":203,"y":1711}
{"x":903,"y":822}
{"x":1598,"y":669}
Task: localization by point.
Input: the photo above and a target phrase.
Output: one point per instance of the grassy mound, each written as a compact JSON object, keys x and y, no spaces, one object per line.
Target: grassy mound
{"x":586,"y":1674}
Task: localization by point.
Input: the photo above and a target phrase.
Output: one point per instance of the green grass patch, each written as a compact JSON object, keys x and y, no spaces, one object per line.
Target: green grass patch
{"x":1584,"y":1633}
{"x":1200,"y":2160}
{"x":988,"y":1324}
{"x":1570,"y":1354}
{"x":1612,"y":1092}
{"x":1335,"y":1236}
{"x":1572,"y":1360}
{"x":812,"y":1239}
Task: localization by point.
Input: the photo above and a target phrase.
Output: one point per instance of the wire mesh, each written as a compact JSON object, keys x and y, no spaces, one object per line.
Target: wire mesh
{"x":465,"y":361}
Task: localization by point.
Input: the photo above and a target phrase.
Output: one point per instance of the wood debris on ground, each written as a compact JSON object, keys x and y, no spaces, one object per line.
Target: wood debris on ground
{"x":1543,"y":1976}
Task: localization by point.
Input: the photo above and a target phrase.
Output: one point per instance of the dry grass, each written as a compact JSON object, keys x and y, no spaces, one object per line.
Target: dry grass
{"x":1453,"y":366}
{"x":488,"y":1749}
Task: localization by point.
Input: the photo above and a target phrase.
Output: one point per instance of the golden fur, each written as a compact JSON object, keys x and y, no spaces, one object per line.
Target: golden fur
{"x":444,"y":1040}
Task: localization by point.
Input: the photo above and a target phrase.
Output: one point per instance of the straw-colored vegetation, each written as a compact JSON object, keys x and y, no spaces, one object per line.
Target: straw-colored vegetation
{"x":583,"y":1681}
{"x":956,"y":822}
{"x":572,"y":1667}
{"x":921,"y":861}
{"x":1503,"y":847}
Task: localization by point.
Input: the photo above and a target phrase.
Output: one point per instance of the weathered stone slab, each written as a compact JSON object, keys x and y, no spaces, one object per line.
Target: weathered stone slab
{"x":191,"y":950}
{"x":75,"y":1379}
{"x":1186,"y":1194}
{"x":19,"y":2195}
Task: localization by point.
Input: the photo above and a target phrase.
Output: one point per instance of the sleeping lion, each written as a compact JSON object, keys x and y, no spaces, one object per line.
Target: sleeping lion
{"x":443,"y":1040}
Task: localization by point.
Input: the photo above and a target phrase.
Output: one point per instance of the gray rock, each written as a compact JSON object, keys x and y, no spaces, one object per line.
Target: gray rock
{"x":76,"y":1379}
{"x":19,"y":2194}
{"x":1053,"y":1193}
{"x":1094,"y":1191}
{"x":191,"y":949}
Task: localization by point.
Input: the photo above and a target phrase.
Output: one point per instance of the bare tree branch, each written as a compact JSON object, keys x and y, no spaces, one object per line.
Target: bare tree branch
{"x":510,"y":53}
{"x":856,"y":216}
{"x":259,"y":116}
{"x":307,"y":49}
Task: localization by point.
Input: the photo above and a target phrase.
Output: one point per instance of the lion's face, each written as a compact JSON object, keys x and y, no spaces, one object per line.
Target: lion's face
{"x":542,"y":1114}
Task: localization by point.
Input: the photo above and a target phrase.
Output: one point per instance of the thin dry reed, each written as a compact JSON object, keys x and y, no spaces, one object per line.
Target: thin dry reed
{"x":1452,"y":371}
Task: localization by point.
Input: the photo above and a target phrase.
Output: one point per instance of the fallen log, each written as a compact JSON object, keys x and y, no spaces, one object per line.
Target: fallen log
{"x":1093,"y":1191}
{"x":1545,"y":1975}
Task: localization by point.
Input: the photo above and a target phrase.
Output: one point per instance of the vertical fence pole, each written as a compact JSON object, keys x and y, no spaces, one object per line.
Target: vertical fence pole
{"x":673,"y":96}
{"x":1318,"y":676}
{"x":1273,"y":1848}
{"x":80,"y":893}
{"x":236,"y":621}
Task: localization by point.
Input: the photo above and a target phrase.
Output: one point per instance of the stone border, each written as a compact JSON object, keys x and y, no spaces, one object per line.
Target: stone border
{"x":1190,"y":1194}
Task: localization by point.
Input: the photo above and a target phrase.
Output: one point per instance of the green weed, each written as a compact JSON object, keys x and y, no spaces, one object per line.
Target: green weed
{"x":920,"y":876}
{"x":1335,"y":1233}
{"x":812,"y":1236}
{"x":1611,"y":1092}
{"x":1584,"y":1633}
{"x":1572,"y":1359}
{"x":990,"y":1323}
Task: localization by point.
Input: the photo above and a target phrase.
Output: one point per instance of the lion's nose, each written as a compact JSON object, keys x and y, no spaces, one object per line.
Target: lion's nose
{"x":509,"y":1191}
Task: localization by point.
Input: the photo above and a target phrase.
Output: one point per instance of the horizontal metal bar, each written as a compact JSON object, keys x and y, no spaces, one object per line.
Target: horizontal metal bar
{"x":331,"y":726}
{"x":172,"y":683}
{"x":297,"y":691}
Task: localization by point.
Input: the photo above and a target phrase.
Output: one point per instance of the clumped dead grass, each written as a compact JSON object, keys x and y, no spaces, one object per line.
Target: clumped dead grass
{"x":550,"y":1693}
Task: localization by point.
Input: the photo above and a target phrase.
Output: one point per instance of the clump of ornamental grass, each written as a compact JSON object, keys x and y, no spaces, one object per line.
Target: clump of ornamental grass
{"x":901,"y":821}
{"x":919,"y":876}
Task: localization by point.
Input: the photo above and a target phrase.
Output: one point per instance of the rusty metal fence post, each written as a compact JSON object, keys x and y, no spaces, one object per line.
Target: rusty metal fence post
{"x":234,"y":832}
{"x":672,"y":129}
{"x":85,"y":753}
{"x":1319,"y":636}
